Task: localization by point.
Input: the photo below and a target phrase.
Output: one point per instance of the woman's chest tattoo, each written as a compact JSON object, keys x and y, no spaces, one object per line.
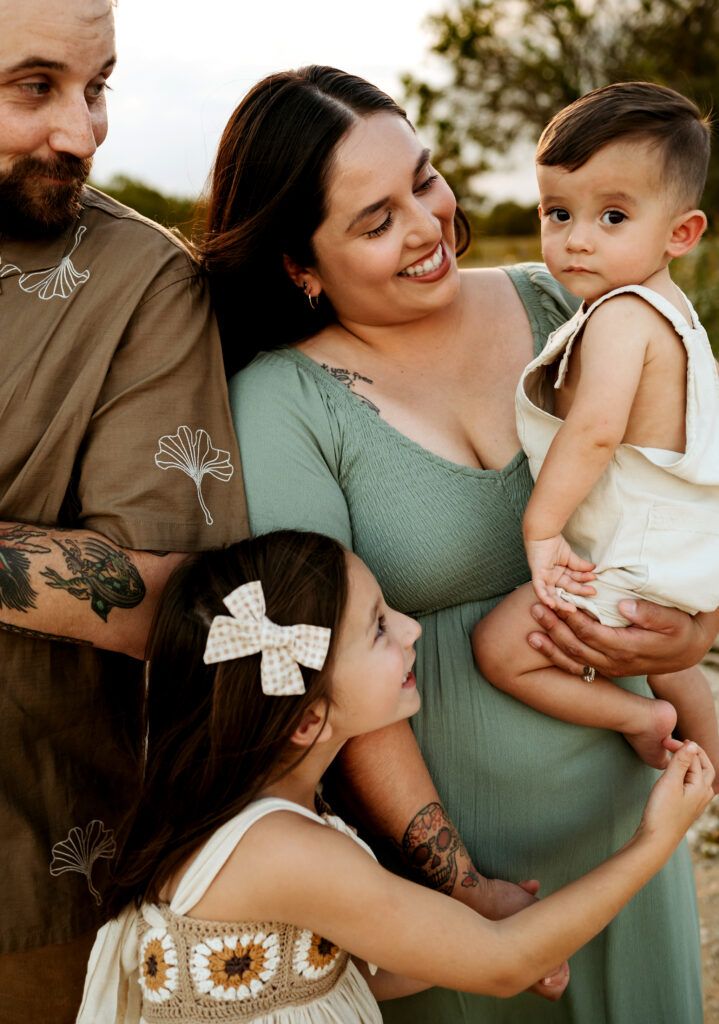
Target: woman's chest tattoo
{"x":349,"y":378}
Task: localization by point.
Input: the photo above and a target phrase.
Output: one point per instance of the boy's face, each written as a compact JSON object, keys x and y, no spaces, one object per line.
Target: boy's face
{"x":607,"y":223}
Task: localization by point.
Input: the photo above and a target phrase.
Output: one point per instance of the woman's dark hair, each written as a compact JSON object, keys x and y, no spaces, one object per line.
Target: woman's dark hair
{"x":213,"y":737}
{"x":268,"y":197}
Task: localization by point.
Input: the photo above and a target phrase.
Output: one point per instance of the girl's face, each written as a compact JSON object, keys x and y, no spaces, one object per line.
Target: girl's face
{"x":373,"y":683}
{"x":385,"y":251}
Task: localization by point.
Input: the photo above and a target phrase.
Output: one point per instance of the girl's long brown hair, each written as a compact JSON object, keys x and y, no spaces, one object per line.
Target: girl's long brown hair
{"x":268,"y":197}
{"x":213,"y":737}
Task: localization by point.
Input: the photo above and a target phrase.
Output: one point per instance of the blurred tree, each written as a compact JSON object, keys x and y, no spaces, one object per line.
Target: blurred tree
{"x":508,"y":218}
{"x":171,"y":211}
{"x":514,"y":63}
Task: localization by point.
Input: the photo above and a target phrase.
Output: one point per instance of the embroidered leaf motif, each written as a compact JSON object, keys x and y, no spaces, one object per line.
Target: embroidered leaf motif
{"x":80,"y":851}
{"x":60,"y":282}
{"x":7,"y":268}
{"x":194,"y":455}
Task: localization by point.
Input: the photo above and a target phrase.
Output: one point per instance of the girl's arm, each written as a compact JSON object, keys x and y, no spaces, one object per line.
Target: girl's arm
{"x":416,"y":933}
{"x":77,"y":586}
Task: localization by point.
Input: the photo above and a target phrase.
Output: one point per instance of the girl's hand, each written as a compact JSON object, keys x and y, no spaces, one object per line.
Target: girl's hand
{"x":683,"y":792}
{"x":660,"y":639}
{"x":553,"y":564}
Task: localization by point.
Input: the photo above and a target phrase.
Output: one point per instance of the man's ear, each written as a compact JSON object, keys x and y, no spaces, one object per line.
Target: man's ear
{"x":687,"y":229}
{"x":314,"y":727}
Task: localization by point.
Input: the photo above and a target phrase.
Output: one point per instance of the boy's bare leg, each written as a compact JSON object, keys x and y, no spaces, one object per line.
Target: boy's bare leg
{"x":505,"y":658}
{"x":690,"y":694}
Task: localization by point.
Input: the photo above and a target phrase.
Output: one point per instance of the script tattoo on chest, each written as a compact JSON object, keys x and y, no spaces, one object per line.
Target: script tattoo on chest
{"x":349,"y":378}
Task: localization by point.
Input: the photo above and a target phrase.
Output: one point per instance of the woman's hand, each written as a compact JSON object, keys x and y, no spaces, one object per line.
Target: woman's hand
{"x":659,"y":640}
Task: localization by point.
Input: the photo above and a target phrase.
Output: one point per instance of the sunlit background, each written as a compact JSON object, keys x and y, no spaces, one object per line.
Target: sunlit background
{"x":183,"y":66}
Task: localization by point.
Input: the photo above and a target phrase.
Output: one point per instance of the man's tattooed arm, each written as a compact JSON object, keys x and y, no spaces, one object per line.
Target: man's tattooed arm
{"x":349,"y":378}
{"x":78,"y":587}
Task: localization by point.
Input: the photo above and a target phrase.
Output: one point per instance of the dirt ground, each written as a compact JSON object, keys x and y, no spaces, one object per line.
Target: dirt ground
{"x":704,"y":841}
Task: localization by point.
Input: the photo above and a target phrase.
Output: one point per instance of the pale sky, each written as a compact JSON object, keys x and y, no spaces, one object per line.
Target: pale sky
{"x":183,"y":65}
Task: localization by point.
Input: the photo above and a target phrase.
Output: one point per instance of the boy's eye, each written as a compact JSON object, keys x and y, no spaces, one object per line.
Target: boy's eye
{"x":558,"y":215}
{"x":613,"y":217}
{"x":381,"y":625}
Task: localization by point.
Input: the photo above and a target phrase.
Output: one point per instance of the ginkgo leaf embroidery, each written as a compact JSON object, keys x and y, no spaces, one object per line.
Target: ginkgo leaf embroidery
{"x":194,"y":454}
{"x":60,"y":282}
{"x":80,"y":851}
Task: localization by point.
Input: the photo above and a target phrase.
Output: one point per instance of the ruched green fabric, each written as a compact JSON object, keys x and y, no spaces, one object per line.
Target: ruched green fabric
{"x":532,"y":797}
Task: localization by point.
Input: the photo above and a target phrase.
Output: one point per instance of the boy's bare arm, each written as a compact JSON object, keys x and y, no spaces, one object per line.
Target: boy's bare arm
{"x":79,"y":587}
{"x":612,"y":353}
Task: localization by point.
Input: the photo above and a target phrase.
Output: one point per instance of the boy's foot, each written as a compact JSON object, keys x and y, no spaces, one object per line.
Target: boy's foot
{"x":660,"y":717}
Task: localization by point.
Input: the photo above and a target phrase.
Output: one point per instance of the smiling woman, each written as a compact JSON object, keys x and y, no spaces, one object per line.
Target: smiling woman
{"x":385,"y":418}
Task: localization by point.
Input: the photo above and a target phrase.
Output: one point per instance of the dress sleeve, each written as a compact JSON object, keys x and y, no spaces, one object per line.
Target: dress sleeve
{"x":547,"y":302}
{"x":290,"y":445}
{"x":159,"y":468}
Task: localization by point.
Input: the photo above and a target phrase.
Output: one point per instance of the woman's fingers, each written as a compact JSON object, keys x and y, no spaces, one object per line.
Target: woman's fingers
{"x":559,"y":643}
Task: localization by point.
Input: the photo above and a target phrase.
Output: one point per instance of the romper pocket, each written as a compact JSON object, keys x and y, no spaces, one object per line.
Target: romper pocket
{"x":680,"y":552}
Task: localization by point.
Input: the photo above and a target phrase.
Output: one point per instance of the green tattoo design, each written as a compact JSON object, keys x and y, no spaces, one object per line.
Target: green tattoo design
{"x":16,"y":543}
{"x":101,"y":574}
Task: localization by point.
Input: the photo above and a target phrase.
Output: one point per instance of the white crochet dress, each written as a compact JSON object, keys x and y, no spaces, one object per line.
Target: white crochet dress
{"x":156,"y":965}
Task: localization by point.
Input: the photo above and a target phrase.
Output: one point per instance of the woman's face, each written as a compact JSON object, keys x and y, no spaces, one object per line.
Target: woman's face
{"x":385,"y":251}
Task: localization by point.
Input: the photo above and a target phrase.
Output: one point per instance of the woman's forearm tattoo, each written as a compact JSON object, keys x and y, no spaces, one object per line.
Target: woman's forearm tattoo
{"x":432,"y":848}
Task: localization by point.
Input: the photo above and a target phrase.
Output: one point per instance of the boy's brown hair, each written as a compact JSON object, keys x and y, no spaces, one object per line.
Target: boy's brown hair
{"x":640,"y":110}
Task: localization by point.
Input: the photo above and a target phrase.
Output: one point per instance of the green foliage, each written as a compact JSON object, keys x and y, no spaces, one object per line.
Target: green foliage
{"x":171,"y":211}
{"x":507,"y":218}
{"x":697,"y":274}
{"x":512,"y":64}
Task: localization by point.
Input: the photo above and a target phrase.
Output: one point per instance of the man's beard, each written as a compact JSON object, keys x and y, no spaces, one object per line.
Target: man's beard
{"x":33,"y":208}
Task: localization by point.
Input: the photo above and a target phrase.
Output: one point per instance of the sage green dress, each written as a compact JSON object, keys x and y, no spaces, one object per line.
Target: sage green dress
{"x":532,"y":797}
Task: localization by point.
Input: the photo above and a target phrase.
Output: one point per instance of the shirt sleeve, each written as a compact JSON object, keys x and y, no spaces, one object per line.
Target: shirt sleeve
{"x":547,"y":302}
{"x":159,"y":468}
{"x":289,"y":441}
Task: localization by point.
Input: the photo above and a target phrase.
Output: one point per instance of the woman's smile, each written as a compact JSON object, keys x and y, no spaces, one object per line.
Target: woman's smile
{"x":426,"y":265}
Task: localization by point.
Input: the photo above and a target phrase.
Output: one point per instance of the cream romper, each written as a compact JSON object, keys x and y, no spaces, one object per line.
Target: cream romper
{"x":155,"y":964}
{"x":651,"y":522}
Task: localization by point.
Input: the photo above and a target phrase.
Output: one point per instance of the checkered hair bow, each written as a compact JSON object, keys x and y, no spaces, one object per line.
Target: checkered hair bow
{"x":284,"y":648}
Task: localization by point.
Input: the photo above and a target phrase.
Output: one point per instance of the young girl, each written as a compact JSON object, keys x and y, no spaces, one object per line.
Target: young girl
{"x":238,"y":899}
{"x":619,"y":415}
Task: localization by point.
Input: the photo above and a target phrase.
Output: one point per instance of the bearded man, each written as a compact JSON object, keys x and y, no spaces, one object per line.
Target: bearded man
{"x":114,"y":420}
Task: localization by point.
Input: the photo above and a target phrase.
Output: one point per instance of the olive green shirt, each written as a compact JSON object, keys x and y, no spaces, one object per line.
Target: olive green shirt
{"x":114,"y":417}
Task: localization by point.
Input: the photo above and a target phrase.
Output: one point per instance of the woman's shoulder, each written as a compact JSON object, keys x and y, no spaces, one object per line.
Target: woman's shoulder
{"x":541,"y":294}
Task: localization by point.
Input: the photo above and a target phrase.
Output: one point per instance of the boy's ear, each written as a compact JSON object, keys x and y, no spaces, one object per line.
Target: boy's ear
{"x":687,"y":229}
{"x":539,"y":211}
{"x":314,"y":727}
{"x":302,"y":277}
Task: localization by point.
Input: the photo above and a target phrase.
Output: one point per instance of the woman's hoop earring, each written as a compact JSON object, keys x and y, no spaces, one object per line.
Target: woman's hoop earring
{"x":313,"y":300}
